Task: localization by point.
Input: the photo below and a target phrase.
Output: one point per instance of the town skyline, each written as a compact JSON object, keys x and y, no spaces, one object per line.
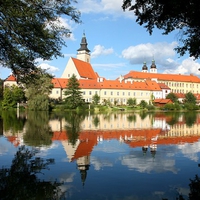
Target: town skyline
{"x":117,"y":44}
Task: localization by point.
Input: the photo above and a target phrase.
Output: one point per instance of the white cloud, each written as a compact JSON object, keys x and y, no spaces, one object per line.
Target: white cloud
{"x":112,"y":7}
{"x":51,"y":69}
{"x":101,"y":50}
{"x":146,"y":52}
{"x":188,"y":66}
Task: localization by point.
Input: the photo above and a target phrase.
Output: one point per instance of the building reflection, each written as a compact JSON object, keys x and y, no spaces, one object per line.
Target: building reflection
{"x":130,"y":129}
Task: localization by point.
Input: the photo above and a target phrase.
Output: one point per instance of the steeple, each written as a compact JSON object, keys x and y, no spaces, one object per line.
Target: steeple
{"x":153,"y":68}
{"x":83,"y":53}
{"x":144,"y":68}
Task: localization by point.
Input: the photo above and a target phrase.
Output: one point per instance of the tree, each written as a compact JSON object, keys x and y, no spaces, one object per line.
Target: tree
{"x":143,"y":104}
{"x":32,"y":29}
{"x":96,"y":99}
{"x":18,"y":181}
{"x":131,"y":101}
{"x":11,"y":96}
{"x":73,"y":93}
{"x":172,"y":96}
{"x":168,"y":16}
{"x":190,"y":98}
{"x":37,"y":91}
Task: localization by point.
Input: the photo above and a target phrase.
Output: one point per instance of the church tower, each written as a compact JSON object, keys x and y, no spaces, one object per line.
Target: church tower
{"x":153,"y":68}
{"x":83,"y":53}
{"x":144,"y":68}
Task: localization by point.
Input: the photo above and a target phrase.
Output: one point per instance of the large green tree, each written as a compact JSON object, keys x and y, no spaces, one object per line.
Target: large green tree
{"x":168,"y":16}
{"x":190,"y":98}
{"x":172,"y":96}
{"x":37,"y":91}
{"x":11,"y":96}
{"x":73,"y":93}
{"x":30,"y":29}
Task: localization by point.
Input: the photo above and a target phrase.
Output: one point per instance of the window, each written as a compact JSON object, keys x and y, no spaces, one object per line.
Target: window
{"x":84,"y":93}
{"x":95,"y":92}
{"x":111,"y":93}
{"x":90,"y":92}
{"x":104,"y":92}
{"x":118,"y":93}
{"x":123,"y":93}
{"x":128,"y":93}
{"x":133,"y":93}
{"x":68,"y":75}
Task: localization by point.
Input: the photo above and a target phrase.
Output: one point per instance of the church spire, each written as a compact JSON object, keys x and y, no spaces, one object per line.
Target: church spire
{"x":83,"y":44}
{"x":83,"y":53}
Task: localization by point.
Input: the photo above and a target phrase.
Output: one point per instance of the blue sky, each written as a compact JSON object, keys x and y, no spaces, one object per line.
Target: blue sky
{"x":118,"y":44}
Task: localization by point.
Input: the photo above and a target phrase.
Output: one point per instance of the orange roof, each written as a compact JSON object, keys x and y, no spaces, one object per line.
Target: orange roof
{"x":59,"y":82}
{"x":164,"y":77}
{"x":11,"y":78}
{"x":163,"y":86}
{"x":162,"y":101}
{"x":108,"y":84}
{"x":84,"y":69}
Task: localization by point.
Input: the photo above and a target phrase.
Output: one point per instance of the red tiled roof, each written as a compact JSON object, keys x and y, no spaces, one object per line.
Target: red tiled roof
{"x":163,"y":101}
{"x":11,"y":78}
{"x":59,"y":82}
{"x":164,"y":77}
{"x":108,"y":84}
{"x":84,"y":69}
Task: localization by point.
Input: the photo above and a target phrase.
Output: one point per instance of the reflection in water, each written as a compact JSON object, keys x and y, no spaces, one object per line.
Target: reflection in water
{"x":20,"y":180}
{"x":37,"y":129}
{"x":140,"y":142}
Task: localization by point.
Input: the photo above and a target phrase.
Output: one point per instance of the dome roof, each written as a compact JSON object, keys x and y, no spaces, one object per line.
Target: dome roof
{"x":144,"y":66}
{"x":153,"y":64}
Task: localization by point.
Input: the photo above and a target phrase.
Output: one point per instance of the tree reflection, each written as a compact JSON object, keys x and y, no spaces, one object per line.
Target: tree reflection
{"x":38,"y":132}
{"x":190,"y":118}
{"x":172,"y":118}
{"x":96,"y":121}
{"x":131,"y":118}
{"x":20,"y":180}
{"x":11,"y":122}
{"x":74,"y":120}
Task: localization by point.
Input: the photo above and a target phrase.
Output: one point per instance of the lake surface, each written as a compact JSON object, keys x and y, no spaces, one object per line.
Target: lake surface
{"x":114,"y":156}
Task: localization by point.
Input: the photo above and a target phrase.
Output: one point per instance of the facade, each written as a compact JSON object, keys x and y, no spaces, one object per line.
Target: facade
{"x":145,"y":85}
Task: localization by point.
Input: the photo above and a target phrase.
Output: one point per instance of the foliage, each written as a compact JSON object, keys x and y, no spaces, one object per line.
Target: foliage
{"x":172,"y":96}
{"x":182,"y":15}
{"x":11,"y":122}
{"x":33,"y":30}
{"x":11,"y":96}
{"x":1,"y":89}
{"x":190,"y":98}
{"x":18,"y":181}
{"x":38,"y":132}
{"x":170,"y":106}
{"x":190,"y":118}
{"x":73,"y":93}
{"x":143,"y":104}
{"x":38,"y":87}
{"x":96,"y":99}
{"x":73,"y":120}
{"x":191,"y":106}
{"x":131,"y":101}
{"x":150,"y":107}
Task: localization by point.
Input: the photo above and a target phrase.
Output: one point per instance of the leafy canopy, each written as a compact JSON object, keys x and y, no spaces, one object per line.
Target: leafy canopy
{"x":168,"y":16}
{"x":73,"y":93}
{"x":31,"y":29}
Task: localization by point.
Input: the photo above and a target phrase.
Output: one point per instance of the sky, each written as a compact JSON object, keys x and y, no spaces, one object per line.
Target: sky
{"x":117,"y":43}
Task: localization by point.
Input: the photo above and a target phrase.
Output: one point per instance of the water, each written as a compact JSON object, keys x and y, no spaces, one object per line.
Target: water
{"x":99,"y":156}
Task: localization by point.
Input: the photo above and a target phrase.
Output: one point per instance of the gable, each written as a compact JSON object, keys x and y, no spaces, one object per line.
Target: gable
{"x":84,"y":69}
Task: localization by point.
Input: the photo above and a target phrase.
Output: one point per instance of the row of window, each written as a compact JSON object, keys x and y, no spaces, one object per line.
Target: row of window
{"x":121,"y":93}
{"x":171,"y":84}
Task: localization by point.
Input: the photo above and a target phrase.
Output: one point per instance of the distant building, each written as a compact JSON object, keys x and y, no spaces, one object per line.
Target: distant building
{"x":142,"y":85}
